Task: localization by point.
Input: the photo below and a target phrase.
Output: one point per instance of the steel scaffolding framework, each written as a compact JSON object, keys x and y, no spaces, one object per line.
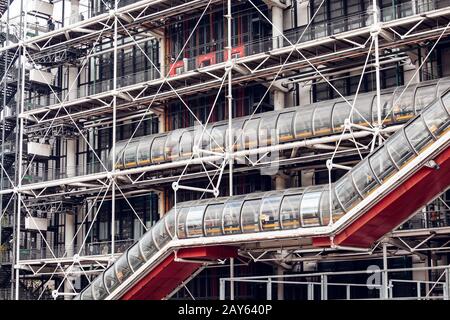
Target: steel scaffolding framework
{"x":129,"y":26}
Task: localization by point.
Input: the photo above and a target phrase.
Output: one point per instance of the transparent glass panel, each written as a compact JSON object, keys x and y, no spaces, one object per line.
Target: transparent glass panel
{"x":362,"y":115}
{"x":341,"y":111}
{"x":446,"y":101}
{"x":119,"y":154}
{"x":160,"y":233}
{"x":123,"y":270}
{"x":386,"y":103}
{"x":195,"y":222}
{"x":270,"y":212}
{"x":322,"y":119}
{"x":131,"y":154}
{"x":87,"y":294}
{"x":144,"y":152}
{"x":424,"y":96}
{"x":111,"y":281}
{"x":364,"y":178}
{"x":98,"y":289}
{"x":231,"y":216}
{"x":236,"y":135}
{"x":325,"y":207}
{"x":303,"y":122}
{"x":250,"y":135}
{"x":382,"y":165}
{"x":250,"y":215}
{"x":399,"y":148}
{"x":267,"y":130}
{"x":309,"y":208}
{"x":135,"y":258}
{"x":403,"y":105}
{"x":181,"y":225}
{"x":213,"y":220}
{"x":284,"y":126}
{"x":186,"y":144}
{"x":417,"y":134}
{"x":217,"y":143}
{"x":158,"y":149}
{"x":290,"y":211}
{"x":148,"y":245}
{"x":172,"y":147}
{"x":206,"y":140}
{"x":337,"y":209}
{"x":170,"y":222}
{"x":346,"y":192}
{"x":436,"y":119}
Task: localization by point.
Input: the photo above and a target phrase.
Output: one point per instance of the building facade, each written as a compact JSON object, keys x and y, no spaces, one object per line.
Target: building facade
{"x":241,"y":148}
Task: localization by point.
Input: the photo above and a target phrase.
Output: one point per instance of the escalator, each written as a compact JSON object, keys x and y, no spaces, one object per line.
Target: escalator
{"x":410,"y":169}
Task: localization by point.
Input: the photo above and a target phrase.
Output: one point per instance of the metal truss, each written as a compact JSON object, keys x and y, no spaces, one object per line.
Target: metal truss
{"x":74,"y":44}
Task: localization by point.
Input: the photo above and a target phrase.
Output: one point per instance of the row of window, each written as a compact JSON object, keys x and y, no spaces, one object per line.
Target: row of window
{"x":280,"y":210}
{"x":278,"y":127}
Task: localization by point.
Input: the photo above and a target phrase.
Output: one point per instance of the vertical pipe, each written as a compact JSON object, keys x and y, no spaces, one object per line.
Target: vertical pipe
{"x":222,"y":290}
{"x":375,"y":31}
{"x":19,"y":168}
{"x":114,"y":133}
{"x":269,"y":289}
{"x":230,"y":98}
{"x":447,"y":284}
{"x":384,"y":285}
{"x":232,"y":277}
{"x":324,"y":287}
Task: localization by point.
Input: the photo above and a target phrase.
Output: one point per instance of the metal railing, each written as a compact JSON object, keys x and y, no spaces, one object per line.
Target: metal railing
{"x":89,"y":249}
{"x":375,"y":283}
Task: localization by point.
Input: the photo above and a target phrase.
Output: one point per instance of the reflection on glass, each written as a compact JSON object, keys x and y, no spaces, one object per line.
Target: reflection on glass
{"x":158,"y":149}
{"x":250,"y":215}
{"x":270,"y":215}
{"x":217,"y":143}
{"x":181,"y":225}
{"x":381,"y":164}
{"x":195,"y":222}
{"x":123,"y":270}
{"x":424,"y":96}
{"x":341,"y":111}
{"x":284,"y":127}
{"x":322,"y":119}
{"x":309,"y":208}
{"x":418,"y":135}
{"x":231,"y":217}
{"x":144,"y":152}
{"x":130,"y":155}
{"x":290,"y":212}
{"x":250,"y":135}
{"x":362,"y":113}
{"x":364,"y":178}
{"x":399,"y":148}
{"x":98,"y":288}
{"x":436,"y":119}
{"x":148,"y":245}
{"x":110,"y":279}
{"x":267,"y":131}
{"x":346,"y":192}
{"x":134,"y":257}
{"x":213,"y":220}
{"x":303,"y":122}
{"x":403,"y":104}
